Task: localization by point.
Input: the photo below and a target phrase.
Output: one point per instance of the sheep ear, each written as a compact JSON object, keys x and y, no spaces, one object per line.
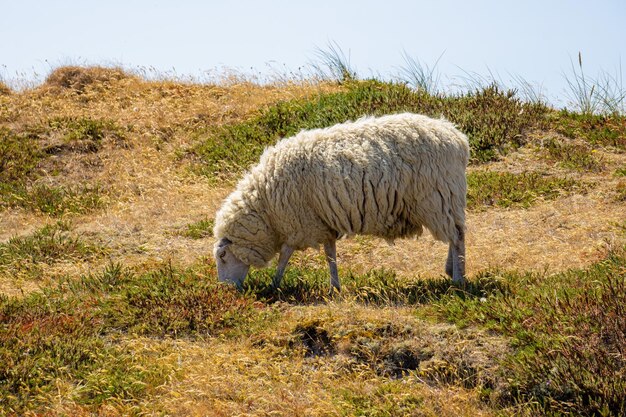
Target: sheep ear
{"x":224,"y":242}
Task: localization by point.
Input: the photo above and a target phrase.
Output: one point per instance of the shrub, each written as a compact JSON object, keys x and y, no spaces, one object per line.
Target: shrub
{"x":569,"y":332}
{"x":604,"y":130}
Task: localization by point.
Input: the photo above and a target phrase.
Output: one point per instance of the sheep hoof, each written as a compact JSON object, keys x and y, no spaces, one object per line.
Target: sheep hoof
{"x":459,"y":282}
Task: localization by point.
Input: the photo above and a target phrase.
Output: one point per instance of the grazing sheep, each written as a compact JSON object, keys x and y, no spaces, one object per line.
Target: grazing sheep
{"x":388,"y":177}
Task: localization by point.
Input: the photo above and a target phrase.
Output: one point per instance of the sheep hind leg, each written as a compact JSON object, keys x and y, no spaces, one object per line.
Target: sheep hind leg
{"x":450,"y":260}
{"x":283,"y":259}
{"x":455,"y":265}
{"x":330,"y":249}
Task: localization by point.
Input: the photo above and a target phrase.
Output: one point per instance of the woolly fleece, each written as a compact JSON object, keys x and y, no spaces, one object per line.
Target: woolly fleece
{"x":388,"y":177}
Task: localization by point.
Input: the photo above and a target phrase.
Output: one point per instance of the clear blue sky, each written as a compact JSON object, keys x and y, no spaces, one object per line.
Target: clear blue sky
{"x":531,"y":38}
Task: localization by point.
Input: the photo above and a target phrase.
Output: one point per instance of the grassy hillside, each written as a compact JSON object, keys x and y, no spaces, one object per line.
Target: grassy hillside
{"x":109,"y":301}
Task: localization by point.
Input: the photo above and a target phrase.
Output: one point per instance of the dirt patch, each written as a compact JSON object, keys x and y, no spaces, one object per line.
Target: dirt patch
{"x":404,"y":357}
{"x":314,"y":339}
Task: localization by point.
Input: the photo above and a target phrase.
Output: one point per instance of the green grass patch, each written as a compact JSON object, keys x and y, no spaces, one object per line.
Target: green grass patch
{"x":493,"y":120}
{"x":50,"y":244}
{"x":387,"y":399}
{"x":69,"y":333}
{"x":573,"y":155}
{"x":604,"y":130}
{"x":569,"y":332}
{"x":81,"y":135}
{"x":199,"y":230}
{"x":172,"y":302}
{"x":21,"y":155}
{"x":43,"y":345}
{"x":505,"y":189}
{"x":53,"y":200}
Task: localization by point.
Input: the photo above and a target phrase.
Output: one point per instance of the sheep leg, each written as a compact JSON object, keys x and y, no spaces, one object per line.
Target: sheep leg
{"x":330,"y":249}
{"x":285,"y":253}
{"x":450,"y":260}
{"x":455,"y":265}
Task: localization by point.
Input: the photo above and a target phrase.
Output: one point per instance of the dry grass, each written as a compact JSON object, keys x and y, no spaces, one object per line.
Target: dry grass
{"x":4,"y":89}
{"x":152,"y":197}
{"x":569,"y":233}
{"x":78,"y":78}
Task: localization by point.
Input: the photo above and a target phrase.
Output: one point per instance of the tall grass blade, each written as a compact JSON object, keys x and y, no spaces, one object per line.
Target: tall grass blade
{"x":419,"y":75}
{"x":333,"y":63}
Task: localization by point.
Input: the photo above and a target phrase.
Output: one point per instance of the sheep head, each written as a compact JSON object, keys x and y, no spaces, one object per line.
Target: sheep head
{"x":229,"y":268}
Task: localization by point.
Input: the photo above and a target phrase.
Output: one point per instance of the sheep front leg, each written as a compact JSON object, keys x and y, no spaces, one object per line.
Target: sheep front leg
{"x":330,"y":249}
{"x":285,"y":253}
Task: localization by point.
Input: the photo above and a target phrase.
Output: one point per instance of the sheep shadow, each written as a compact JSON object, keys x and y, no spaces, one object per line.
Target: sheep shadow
{"x":376,"y":287}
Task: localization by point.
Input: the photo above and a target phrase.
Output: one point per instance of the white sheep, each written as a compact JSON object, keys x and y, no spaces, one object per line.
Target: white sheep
{"x":388,"y":177}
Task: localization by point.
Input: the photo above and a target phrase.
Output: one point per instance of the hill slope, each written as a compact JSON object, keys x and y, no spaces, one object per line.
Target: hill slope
{"x":109,"y":184}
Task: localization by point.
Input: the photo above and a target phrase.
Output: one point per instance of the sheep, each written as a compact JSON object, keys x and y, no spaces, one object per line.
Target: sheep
{"x":389,"y":177}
